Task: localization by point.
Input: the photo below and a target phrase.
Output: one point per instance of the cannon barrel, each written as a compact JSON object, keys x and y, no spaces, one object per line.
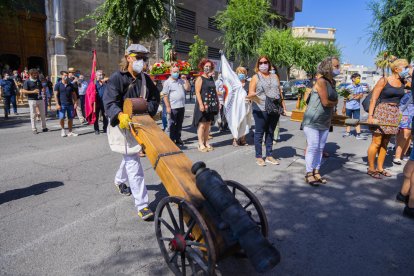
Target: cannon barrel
{"x":263,"y":255}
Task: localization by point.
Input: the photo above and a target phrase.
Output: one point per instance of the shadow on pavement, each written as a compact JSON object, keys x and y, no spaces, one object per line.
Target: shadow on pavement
{"x":35,"y":189}
{"x":13,"y":121}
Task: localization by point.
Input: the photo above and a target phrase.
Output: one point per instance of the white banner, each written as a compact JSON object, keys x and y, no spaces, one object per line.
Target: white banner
{"x":236,"y":109}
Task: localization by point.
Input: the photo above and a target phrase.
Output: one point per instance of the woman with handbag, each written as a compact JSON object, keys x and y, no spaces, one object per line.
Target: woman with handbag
{"x":317,"y":118}
{"x":383,"y":109}
{"x":268,"y":105}
{"x":207,"y":104}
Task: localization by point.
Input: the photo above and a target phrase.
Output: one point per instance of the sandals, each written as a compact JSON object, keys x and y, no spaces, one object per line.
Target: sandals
{"x":374,"y":174}
{"x":319,"y":178}
{"x":235,"y":143}
{"x":311,"y":180}
{"x":204,"y":149}
{"x":209,"y":148}
{"x":385,"y":173}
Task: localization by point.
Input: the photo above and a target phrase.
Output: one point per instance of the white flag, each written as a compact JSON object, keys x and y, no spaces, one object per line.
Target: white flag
{"x":236,"y":109}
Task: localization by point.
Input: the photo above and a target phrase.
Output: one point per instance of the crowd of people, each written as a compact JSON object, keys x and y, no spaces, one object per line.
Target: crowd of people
{"x":390,"y":113}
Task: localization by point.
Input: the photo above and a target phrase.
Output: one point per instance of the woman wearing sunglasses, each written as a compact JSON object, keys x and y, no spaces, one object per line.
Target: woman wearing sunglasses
{"x":268,"y":105}
{"x":317,"y":118}
{"x":384,"y":109}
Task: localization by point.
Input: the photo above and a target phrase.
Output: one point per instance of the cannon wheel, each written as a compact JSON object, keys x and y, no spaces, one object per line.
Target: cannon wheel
{"x":250,"y":203}
{"x":177,"y":224}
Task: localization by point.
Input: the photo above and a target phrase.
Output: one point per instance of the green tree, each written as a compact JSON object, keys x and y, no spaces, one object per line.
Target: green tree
{"x":243,"y":22}
{"x":311,"y":54}
{"x":133,"y":19}
{"x":392,"y":28}
{"x":383,"y":61}
{"x":198,"y":50}
{"x":281,"y":47}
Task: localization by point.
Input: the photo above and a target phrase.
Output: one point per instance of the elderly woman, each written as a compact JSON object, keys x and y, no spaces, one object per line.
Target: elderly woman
{"x":317,"y":118}
{"x":264,"y":91}
{"x":207,"y":105}
{"x":242,"y":75}
{"x":388,"y":92}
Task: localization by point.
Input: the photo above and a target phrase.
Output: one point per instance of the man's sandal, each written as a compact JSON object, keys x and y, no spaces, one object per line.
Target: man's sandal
{"x":310,"y":179}
{"x":385,"y":173}
{"x":319,"y":178}
{"x":374,"y":174}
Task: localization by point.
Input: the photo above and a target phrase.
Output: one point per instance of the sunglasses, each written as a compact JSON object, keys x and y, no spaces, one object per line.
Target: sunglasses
{"x":263,"y":62}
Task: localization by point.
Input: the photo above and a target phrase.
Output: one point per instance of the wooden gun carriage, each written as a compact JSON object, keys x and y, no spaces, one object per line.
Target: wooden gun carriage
{"x":204,"y":218}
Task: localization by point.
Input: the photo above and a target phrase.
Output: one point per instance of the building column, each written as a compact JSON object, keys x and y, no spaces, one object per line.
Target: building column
{"x":58,"y":58}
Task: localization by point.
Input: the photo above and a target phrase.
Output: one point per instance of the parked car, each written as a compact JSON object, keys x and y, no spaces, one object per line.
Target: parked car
{"x":282,"y":83}
{"x":290,"y":90}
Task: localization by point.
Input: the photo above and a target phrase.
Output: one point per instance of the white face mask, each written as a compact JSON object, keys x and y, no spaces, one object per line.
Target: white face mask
{"x":264,"y":68}
{"x":137,"y":66}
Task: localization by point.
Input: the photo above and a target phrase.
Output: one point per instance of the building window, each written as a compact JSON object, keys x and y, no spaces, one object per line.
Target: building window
{"x":186,"y":19}
{"x":182,"y":47}
{"x":213,"y":53}
{"x":212,"y":24}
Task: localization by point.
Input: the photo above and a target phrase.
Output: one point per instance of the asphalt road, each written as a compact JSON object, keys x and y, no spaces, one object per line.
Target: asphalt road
{"x":61,"y":215}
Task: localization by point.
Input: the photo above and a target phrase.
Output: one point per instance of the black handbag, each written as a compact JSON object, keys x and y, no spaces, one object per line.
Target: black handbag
{"x":273,"y":106}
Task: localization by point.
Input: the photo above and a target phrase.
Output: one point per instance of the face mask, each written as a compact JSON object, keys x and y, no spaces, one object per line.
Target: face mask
{"x":65,"y":78}
{"x":272,"y":71}
{"x":175,"y":75}
{"x":100,"y":77}
{"x":357,"y":81}
{"x":32,"y":79}
{"x":137,"y":66}
{"x":336,"y":72}
{"x":263,"y":68}
{"x":242,"y":76}
{"x":207,"y":69}
{"x":7,"y":77}
{"x":404,"y":73}
{"x":80,"y":80}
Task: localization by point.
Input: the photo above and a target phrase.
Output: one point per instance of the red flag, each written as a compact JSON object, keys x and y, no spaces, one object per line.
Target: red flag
{"x":90,"y":99}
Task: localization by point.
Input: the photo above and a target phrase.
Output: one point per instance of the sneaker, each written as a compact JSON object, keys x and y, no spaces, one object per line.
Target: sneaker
{"x":45,"y":130}
{"x":360,"y":137}
{"x":408,"y":212}
{"x":406,"y":158}
{"x":34,"y":131}
{"x":401,"y":198}
{"x":72,"y":134}
{"x":123,"y":189}
{"x":271,"y":160}
{"x":145,"y":213}
{"x":63,"y":133}
{"x":260,"y":162}
{"x":97,"y":132}
{"x":346,"y":134}
{"x":396,"y":161}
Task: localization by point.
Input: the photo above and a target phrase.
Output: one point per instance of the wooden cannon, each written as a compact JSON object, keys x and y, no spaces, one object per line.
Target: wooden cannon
{"x":194,"y":225}
{"x":339,"y":120}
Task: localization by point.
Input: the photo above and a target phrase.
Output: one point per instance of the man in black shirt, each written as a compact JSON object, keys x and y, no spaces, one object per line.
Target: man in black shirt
{"x":65,"y":97}
{"x":130,"y":82}
{"x":32,"y":87}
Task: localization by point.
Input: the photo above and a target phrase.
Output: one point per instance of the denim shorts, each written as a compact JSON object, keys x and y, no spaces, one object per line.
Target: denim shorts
{"x":353,"y":113}
{"x":66,"y":109}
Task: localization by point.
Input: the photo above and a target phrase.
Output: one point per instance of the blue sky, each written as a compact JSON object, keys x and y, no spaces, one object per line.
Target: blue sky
{"x":350,"y":18}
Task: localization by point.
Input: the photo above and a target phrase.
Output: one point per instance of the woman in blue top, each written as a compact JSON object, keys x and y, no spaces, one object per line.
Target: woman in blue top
{"x":406,"y":194}
{"x":404,"y":132}
{"x":317,"y":118}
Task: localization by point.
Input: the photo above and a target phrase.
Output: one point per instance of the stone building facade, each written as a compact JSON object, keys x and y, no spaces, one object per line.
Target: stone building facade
{"x":42,"y":35}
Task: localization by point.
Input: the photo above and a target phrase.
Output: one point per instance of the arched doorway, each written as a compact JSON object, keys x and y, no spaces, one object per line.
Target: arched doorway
{"x":36,"y":62}
{"x":9,"y":62}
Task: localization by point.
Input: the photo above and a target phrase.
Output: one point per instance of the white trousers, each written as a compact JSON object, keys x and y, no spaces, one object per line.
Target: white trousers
{"x":32,"y":106}
{"x":79,"y":111}
{"x":316,"y":140}
{"x":131,"y":171}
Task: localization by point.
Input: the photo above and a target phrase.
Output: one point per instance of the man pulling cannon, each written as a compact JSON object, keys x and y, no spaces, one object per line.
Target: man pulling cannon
{"x":130,"y":82}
